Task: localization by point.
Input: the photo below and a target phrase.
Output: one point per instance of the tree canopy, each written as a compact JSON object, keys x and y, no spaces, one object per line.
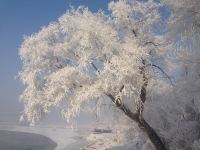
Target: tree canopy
{"x":126,"y":57}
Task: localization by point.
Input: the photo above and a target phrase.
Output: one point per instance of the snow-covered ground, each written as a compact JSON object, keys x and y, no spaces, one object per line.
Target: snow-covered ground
{"x":59,"y":137}
{"x":113,"y":141}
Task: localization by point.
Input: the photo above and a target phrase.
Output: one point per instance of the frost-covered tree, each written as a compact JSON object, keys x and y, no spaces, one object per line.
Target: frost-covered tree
{"x":183,"y":37}
{"x":89,"y":56}
{"x":86,"y":57}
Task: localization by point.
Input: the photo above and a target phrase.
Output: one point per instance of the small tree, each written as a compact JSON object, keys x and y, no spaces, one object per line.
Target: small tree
{"x":89,"y":56}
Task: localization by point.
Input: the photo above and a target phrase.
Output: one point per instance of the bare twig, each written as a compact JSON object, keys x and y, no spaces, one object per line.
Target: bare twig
{"x":59,"y":66}
{"x":150,"y":42}
{"x":134,"y":32}
{"x":168,"y":77}
{"x":122,"y":87}
{"x":94,"y":66}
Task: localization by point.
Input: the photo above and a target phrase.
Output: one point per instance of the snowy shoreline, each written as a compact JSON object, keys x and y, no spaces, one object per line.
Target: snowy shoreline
{"x":64,"y":138}
{"x":59,"y":134}
{"x":16,"y":140}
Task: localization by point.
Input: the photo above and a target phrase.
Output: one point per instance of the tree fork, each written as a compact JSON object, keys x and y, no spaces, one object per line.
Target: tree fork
{"x":138,"y":116}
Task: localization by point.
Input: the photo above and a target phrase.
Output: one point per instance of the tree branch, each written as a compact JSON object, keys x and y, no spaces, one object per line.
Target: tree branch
{"x":60,"y":66}
{"x":121,"y":89}
{"x":138,"y":117}
{"x":134,"y":32}
{"x":152,"y":43}
{"x":94,"y":66}
{"x":145,"y":82}
{"x":168,"y":77}
{"x":118,"y":103}
{"x":153,"y":136}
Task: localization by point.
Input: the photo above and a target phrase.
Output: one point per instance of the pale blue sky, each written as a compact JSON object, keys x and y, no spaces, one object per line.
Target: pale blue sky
{"x":24,"y":17}
{"x":19,"y":18}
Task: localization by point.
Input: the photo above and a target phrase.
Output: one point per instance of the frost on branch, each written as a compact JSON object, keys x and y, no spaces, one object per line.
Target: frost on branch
{"x":185,"y":18}
{"x":196,"y":145}
{"x":84,"y":55}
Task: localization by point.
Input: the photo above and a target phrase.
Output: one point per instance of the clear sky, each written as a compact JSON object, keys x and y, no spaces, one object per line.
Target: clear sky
{"x":19,"y":18}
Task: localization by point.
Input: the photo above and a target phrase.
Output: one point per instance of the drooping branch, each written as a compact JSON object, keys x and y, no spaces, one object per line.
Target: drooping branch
{"x":168,"y":77}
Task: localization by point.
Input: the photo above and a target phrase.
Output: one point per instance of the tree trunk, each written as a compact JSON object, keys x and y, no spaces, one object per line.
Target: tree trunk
{"x":151,"y":133}
{"x":155,"y":139}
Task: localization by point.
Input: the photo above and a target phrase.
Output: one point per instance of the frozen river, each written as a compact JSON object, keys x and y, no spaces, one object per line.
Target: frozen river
{"x":16,"y":137}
